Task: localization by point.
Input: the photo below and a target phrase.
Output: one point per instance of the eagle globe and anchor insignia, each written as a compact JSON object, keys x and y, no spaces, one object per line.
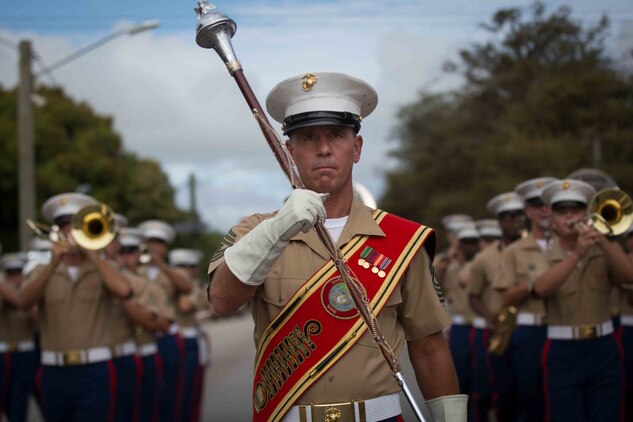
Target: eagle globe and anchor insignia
{"x":336,"y":298}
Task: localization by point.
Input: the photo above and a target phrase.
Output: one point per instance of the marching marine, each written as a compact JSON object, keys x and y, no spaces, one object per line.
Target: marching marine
{"x":73,"y":293}
{"x":314,"y":356}
{"x":521,"y":263}
{"x":582,"y":358}
{"x":491,"y":375}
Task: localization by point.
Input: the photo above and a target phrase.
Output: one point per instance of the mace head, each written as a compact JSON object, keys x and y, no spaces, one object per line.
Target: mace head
{"x":212,"y":24}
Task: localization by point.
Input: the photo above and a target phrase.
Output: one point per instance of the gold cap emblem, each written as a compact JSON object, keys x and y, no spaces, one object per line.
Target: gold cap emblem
{"x":309,"y":80}
{"x":539,"y":184}
{"x":566,"y":185}
{"x":63,"y":200}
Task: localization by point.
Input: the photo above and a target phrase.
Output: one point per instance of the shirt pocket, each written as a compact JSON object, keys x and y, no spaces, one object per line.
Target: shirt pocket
{"x":90,"y":291}
{"x":387,"y":320}
{"x":56,"y":291}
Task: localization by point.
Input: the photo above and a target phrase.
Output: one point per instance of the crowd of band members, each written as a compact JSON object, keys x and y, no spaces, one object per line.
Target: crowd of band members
{"x":570,"y":356}
{"x":96,"y":335}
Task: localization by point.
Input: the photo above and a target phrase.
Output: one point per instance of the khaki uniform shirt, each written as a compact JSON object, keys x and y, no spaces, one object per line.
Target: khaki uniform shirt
{"x":413,"y":311}
{"x":188,"y":319}
{"x":21,"y":326}
{"x":584,"y":297}
{"x":74,"y":315}
{"x":153,"y":298}
{"x":482,"y":273}
{"x":456,"y":293}
{"x":122,"y":325}
{"x":163,"y":281}
{"x":4,"y":321}
{"x":521,"y":262}
{"x":626,"y":301}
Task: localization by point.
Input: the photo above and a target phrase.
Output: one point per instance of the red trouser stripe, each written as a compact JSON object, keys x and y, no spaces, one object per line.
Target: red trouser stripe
{"x":112,"y":401}
{"x":548,"y":343}
{"x":181,"y":377}
{"x":617,"y":337}
{"x":138,"y":377}
{"x":159,"y":383}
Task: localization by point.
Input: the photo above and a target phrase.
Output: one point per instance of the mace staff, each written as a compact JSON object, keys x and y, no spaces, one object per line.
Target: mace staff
{"x":215,"y":30}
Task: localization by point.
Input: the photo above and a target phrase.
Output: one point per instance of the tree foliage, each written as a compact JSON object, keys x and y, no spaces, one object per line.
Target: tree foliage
{"x":540,"y":98}
{"x":77,"y":148}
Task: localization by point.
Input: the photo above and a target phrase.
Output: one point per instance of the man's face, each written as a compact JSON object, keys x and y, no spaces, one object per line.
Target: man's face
{"x":112,"y":249}
{"x":512,"y":223}
{"x":157,"y":247}
{"x":537,"y":212}
{"x":325,"y":156}
{"x":563,"y":218}
{"x":129,"y":258}
{"x":469,"y":248}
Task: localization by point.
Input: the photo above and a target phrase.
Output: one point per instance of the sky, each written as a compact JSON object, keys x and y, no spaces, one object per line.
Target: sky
{"x":175,"y":102}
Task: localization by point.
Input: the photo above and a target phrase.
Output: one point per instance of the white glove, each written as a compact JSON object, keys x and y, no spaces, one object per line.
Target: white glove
{"x":251,"y":259}
{"x":448,"y":408}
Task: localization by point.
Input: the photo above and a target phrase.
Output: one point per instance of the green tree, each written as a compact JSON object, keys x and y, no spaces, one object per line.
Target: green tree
{"x":540,"y":98}
{"x":77,"y":147}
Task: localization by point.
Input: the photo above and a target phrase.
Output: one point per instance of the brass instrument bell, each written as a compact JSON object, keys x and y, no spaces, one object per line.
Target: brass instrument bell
{"x":611,"y":212}
{"x":93,"y":227}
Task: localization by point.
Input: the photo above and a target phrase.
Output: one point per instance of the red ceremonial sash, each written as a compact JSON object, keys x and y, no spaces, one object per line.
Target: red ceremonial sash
{"x":319,"y":324}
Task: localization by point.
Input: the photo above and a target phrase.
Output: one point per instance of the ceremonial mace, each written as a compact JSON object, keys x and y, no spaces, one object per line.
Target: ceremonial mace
{"x":215,"y":31}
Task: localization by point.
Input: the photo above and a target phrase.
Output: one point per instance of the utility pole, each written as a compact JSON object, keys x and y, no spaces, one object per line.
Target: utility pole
{"x":26,"y":156}
{"x":192,"y":197}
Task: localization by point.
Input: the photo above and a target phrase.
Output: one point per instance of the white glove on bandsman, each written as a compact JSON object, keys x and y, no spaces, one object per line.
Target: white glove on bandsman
{"x":251,"y":259}
{"x":448,"y":408}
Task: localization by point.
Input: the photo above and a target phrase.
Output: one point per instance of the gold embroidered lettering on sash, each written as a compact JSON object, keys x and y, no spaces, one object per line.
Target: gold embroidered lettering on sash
{"x":285,"y":358}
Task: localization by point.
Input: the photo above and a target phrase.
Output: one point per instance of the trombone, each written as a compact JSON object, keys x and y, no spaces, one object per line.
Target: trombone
{"x":610,"y":212}
{"x":92,"y":228}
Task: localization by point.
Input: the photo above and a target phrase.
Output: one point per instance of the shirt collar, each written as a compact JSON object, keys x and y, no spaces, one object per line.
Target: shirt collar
{"x":360,"y":222}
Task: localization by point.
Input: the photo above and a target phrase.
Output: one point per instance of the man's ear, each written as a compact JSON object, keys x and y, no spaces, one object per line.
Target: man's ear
{"x":289,"y":145}
{"x":358,"y":146}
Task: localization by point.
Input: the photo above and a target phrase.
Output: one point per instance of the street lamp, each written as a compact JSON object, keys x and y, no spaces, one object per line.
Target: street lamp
{"x":145,"y":26}
{"x":26,"y":154}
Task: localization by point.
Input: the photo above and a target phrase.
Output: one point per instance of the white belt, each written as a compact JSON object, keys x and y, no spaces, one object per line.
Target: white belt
{"x":25,"y":346}
{"x":373,"y":410}
{"x":527,"y":318}
{"x":125,"y":349}
{"x":76,"y":357}
{"x":148,"y":349}
{"x":189,"y":332}
{"x":22,"y":346}
{"x":173,"y":329}
{"x":480,"y":322}
{"x":460,"y":320}
{"x":626,"y":320}
{"x":579,"y":332}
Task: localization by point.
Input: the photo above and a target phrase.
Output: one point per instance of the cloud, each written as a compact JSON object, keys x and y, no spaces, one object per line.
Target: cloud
{"x":175,"y":102}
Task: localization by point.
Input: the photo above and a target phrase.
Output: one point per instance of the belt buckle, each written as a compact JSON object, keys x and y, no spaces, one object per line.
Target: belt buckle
{"x":12,"y":347}
{"x":338,"y":412}
{"x":72,"y":357}
{"x":587,"y":332}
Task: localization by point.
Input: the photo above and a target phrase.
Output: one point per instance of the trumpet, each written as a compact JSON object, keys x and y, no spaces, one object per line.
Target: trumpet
{"x":610,"y":212}
{"x":92,"y":228}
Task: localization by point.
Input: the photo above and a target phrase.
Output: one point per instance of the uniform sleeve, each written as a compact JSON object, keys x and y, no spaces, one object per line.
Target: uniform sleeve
{"x":504,"y":277}
{"x":233,"y":236}
{"x":421,"y":312}
{"x":477,"y":277}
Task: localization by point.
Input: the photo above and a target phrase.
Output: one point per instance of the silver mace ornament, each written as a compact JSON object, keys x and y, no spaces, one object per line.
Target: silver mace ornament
{"x":214,"y":31}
